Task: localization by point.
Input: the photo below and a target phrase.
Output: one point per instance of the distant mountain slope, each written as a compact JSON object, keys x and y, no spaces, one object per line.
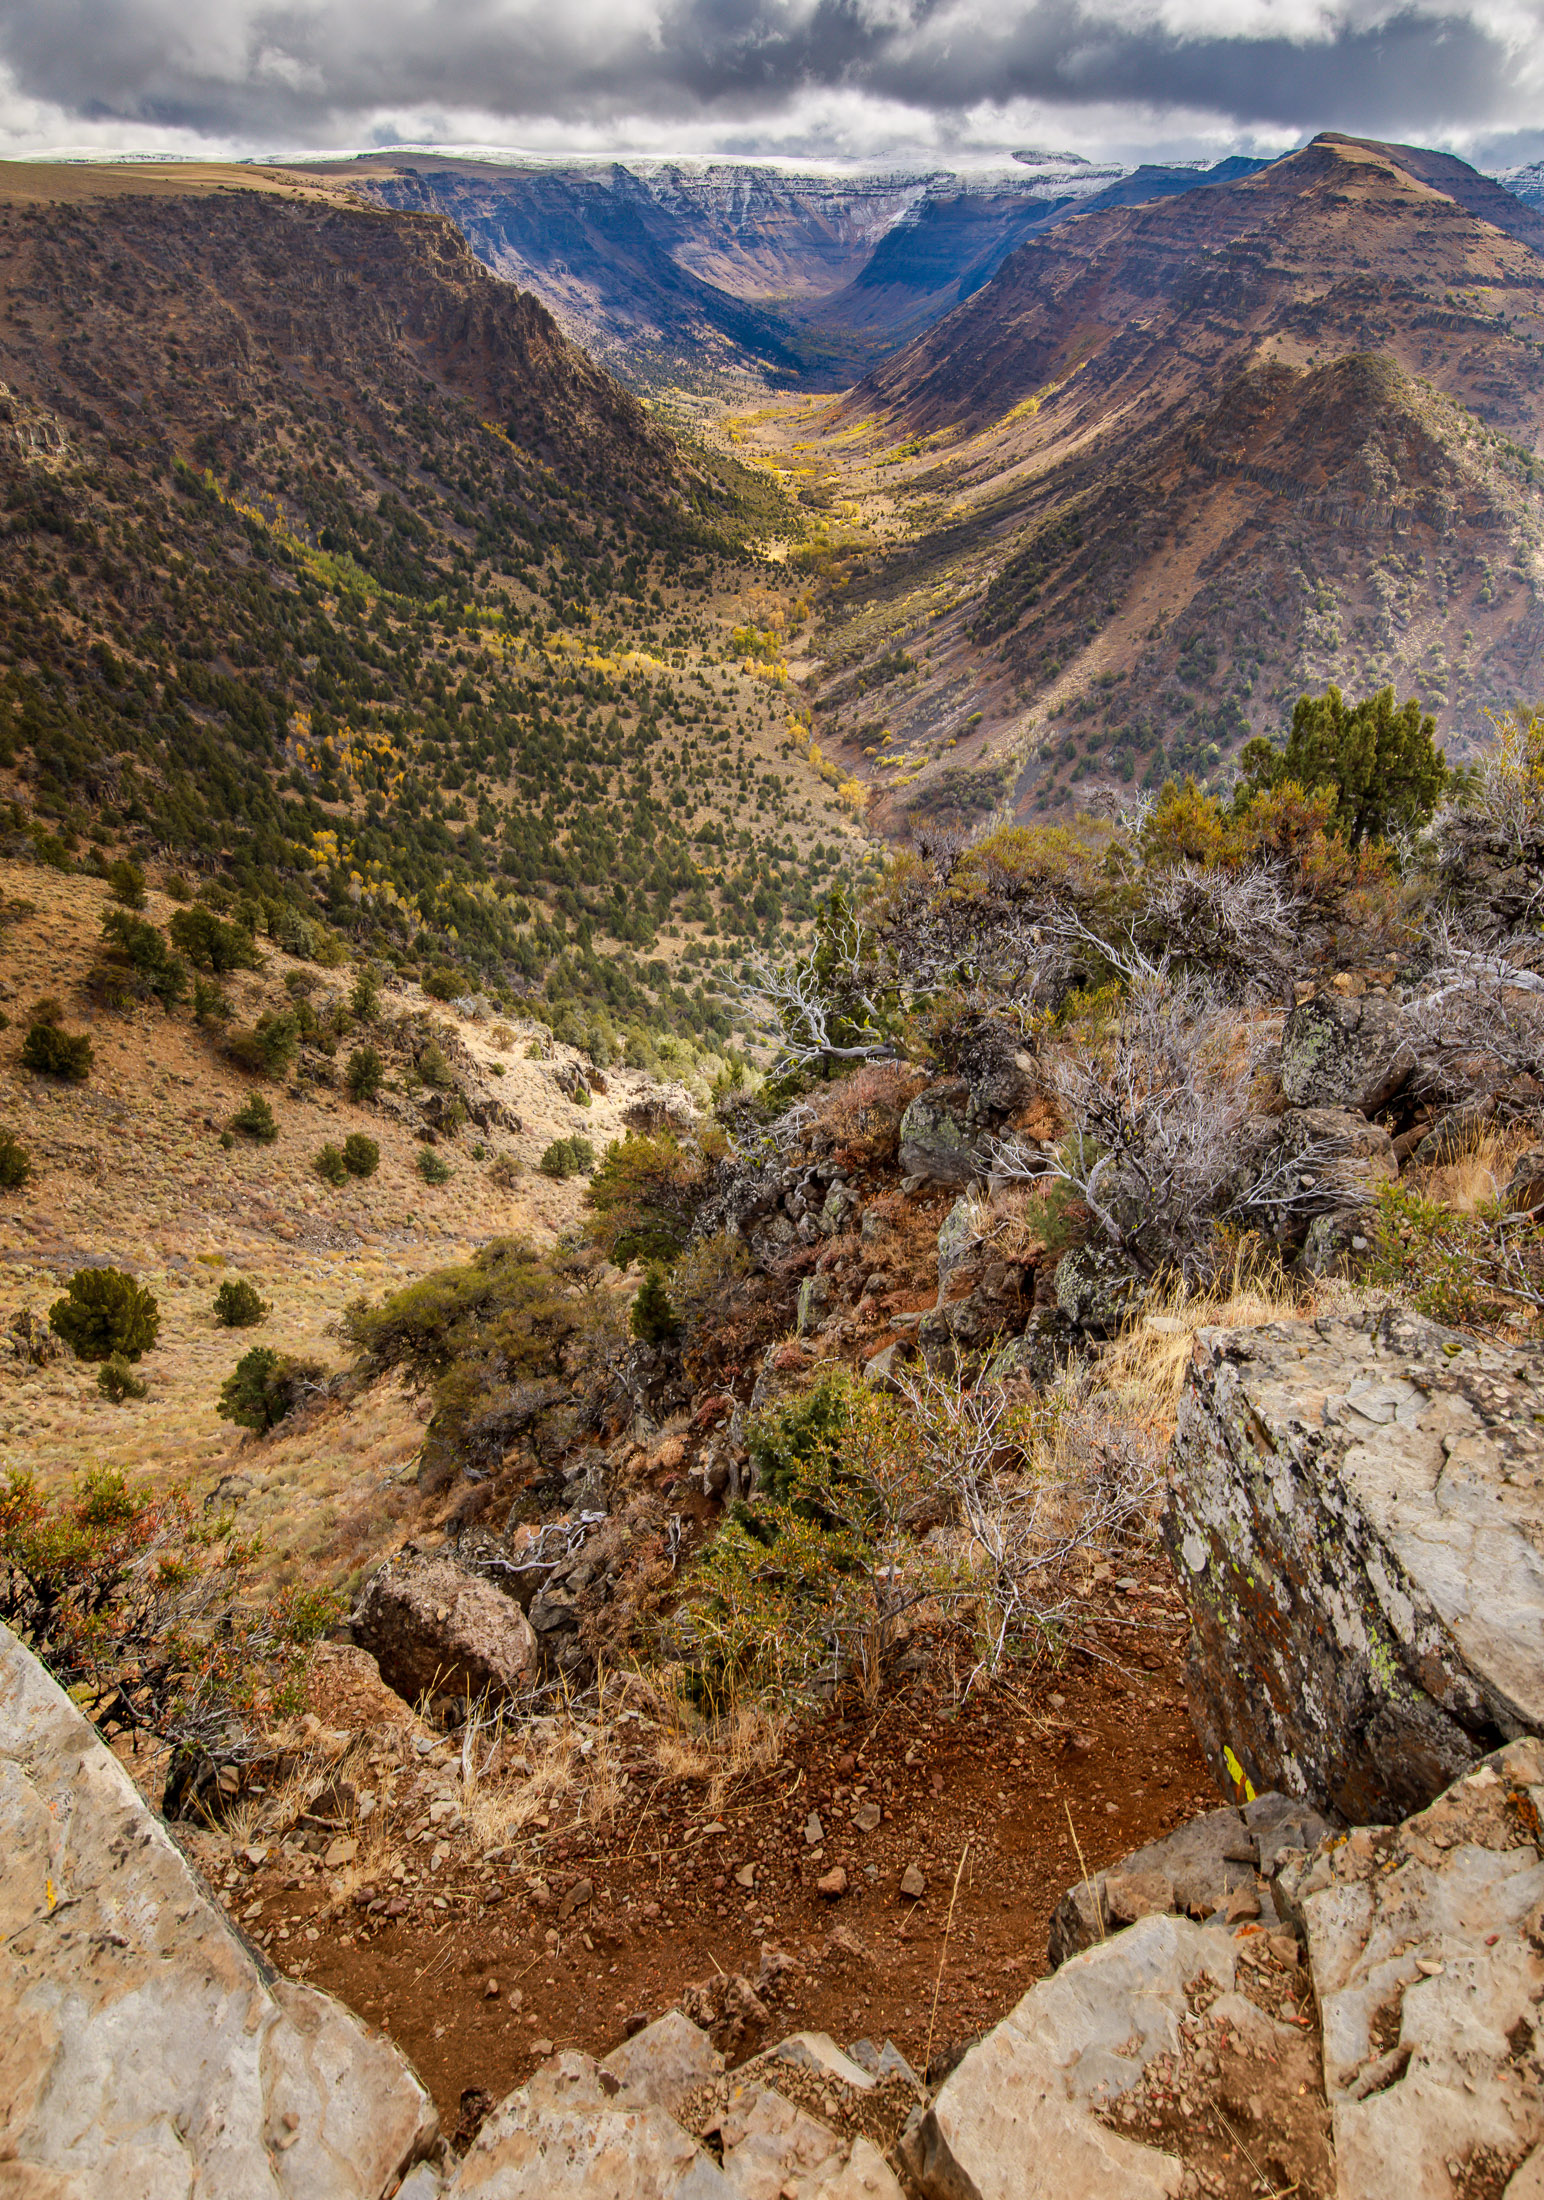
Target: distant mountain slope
{"x":333,"y":574}
{"x":1179,"y":460}
{"x":707,"y":273}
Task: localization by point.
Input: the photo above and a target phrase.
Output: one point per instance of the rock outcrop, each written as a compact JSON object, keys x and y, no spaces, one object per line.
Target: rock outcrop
{"x":1426,"y":1945}
{"x":147,"y":2050}
{"x":1355,"y":1512}
{"x":436,"y":1630}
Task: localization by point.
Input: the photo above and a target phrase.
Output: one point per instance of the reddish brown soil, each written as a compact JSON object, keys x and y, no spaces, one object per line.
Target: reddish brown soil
{"x":1100,"y":1749}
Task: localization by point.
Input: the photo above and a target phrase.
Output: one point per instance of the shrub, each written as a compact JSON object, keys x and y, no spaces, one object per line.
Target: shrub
{"x":99,"y":1578}
{"x":266,"y":1387}
{"x":361,"y":1155}
{"x":136,"y":943}
{"x":55,"y":1053}
{"x":210,"y":943}
{"x":433,"y":1067}
{"x":505,"y":1170}
{"x":210,"y":1003}
{"x":330,"y":1165}
{"x":237,"y":1304}
{"x":566,"y":1157}
{"x":653,"y":1319}
{"x":15,"y":1163}
{"x":268,"y":1049}
{"x":105,"y":1313}
{"x":254,"y":1119}
{"x":433,"y":1167}
{"x":126,"y":883}
{"x":1381,"y":760}
{"x":117,"y":1381}
{"x":643,"y":1198}
{"x":365,"y":995}
{"x":442,"y":983}
{"x":364,"y":1073}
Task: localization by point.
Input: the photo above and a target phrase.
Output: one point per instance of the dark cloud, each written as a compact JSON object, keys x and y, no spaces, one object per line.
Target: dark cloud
{"x":261,"y":72}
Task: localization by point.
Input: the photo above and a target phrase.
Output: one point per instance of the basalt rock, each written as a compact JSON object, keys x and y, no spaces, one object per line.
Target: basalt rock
{"x":147,"y":2049}
{"x":435,"y":1629}
{"x":938,"y":1135}
{"x":1195,"y":1872}
{"x":1356,"y":1511}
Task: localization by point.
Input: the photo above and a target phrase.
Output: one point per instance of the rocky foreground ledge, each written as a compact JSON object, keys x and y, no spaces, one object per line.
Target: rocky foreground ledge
{"x":145,"y":2049}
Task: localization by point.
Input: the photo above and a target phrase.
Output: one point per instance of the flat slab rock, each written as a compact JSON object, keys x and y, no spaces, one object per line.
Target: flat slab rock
{"x":146,"y":2053}
{"x":1016,"y":2120}
{"x":1356,"y":1512}
{"x":1426,"y":1943}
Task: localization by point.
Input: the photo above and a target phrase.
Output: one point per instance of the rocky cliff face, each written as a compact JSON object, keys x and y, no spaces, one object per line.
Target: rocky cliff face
{"x":1197,"y":456}
{"x":687,"y":272}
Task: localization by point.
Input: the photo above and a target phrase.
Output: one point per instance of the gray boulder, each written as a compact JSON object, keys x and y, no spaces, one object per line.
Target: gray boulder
{"x":1354,"y":1511}
{"x":1424,"y":1943}
{"x":938,"y":1138}
{"x":1343,"y":1053}
{"x":436,"y":1630}
{"x":1196,"y":1872}
{"x":147,"y":2050}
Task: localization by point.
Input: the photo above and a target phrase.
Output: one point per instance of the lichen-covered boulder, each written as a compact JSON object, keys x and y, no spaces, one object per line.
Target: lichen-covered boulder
{"x":1096,"y":1289}
{"x":146,"y":2049}
{"x":1356,"y":1513}
{"x":433,"y":1628}
{"x":938,"y":1136}
{"x":1342,"y":1053}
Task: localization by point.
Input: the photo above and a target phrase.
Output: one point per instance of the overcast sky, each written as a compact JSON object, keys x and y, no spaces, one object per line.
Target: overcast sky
{"x":859,"y":79}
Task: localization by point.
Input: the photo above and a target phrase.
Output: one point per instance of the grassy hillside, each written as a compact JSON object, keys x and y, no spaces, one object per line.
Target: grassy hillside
{"x":337,"y":581}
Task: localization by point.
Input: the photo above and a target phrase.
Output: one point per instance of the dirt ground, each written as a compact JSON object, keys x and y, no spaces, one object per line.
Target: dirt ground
{"x":479,"y":1964}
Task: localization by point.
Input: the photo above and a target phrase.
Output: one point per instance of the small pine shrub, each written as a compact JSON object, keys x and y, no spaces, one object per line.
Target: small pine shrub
{"x":433,"y":1167}
{"x":126,"y":883}
{"x":433,"y":1067}
{"x":254,"y":1119}
{"x":268,"y":1049}
{"x":237,"y":1304}
{"x":105,"y":1314}
{"x":55,"y":1053}
{"x":330,"y":1165}
{"x":211,"y":1005}
{"x":117,"y":1381}
{"x":15,"y":1163}
{"x":442,"y":983}
{"x":566,"y":1157}
{"x":265,"y":1388}
{"x":364,"y":1073}
{"x":227,"y":1140}
{"x":361,"y":1155}
{"x":365,"y":997}
{"x":653,"y":1319}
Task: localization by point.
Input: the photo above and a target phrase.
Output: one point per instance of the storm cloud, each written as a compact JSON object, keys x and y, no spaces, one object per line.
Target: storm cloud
{"x":837,"y":75}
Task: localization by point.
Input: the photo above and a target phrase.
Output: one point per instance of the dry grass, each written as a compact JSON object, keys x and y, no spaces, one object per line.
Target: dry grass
{"x":1141,"y":1374}
{"x":1011,"y":1222}
{"x":1476,"y":1172}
